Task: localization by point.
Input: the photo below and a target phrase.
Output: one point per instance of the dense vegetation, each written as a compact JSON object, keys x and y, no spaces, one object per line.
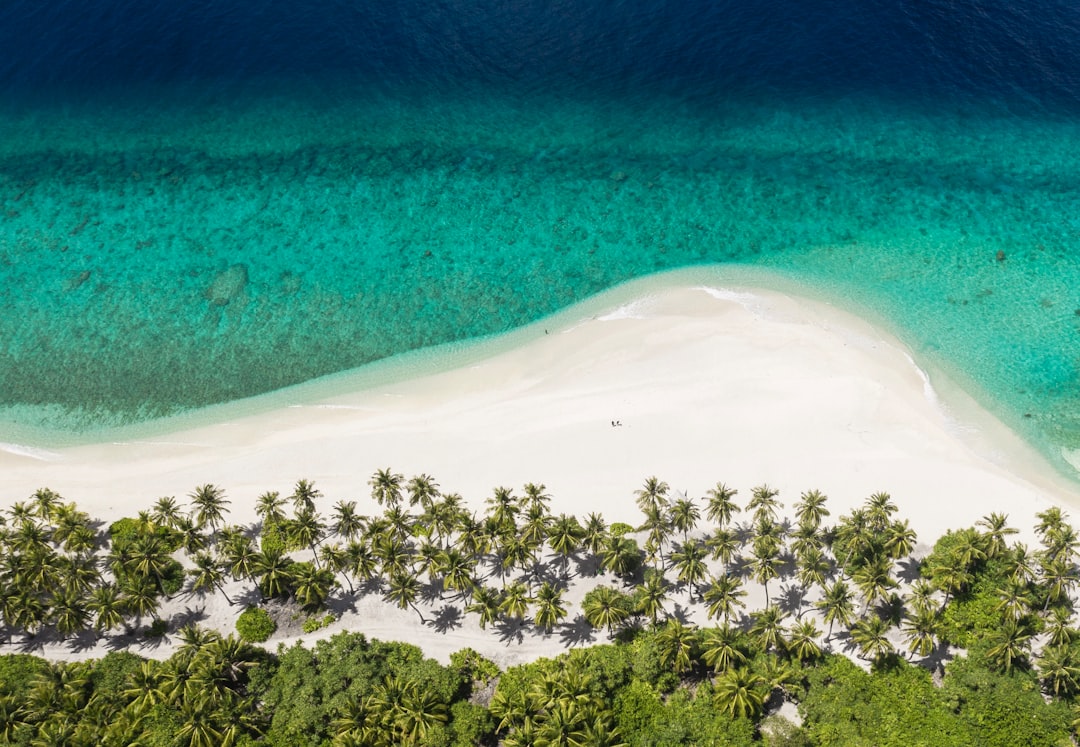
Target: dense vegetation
{"x":973,"y":644}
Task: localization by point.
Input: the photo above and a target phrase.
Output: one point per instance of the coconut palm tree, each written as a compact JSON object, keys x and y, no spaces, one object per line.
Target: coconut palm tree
{"x":689,"y":562}
{"x":274,"y":572}
{"x":166,"y":512}
{"x":996,"y":530}
{"x":457,"y":571}
{"x":740,"y":693}
{"x":722,"y":648}
{"x":764,"y":503}
{"x":920,"y":631}
{"x":723,"y":596}
{"x":1015,"y":600}
{"x":69,"y":613}
{"x":1059,"y":671}
{"x":402,"y":590}
{"x":311,"y":585}
{"x":1010,"y":645}
{"x":605,"y":607}
{"x":724,"y":545}
{"x":836,"y":606}
{"x":209,"y":503}
{"x":503,"y":507}
{"x":653,"y":494}
{"x":564,"y":538}
{"x":106,"y":604}
{"x":810,"y":508}
{"x":649,"y":597}
{"x":422,"y":490}
{"x":595,"y":533}
{"x":899,"y":539}
{"x":306,"y":530}
{"x":346,"y":522}
{"x":720,"y":505}
{"x":659,"y":530}
{"x":870,"y":634}
{"x":549,"y":607}
{"x":515,"y":601}
{"x":207,"y":575}
{"x":684,"y":516}
{"x":768,"y":629}
{"x":386,"y":487}
{"x":485,"y":604}
{"x":813,"y":567}
{"x":676,"y":643}
{"x":874,"y":580}
{"x":270,"y":508}
{"x":621,"y":556}
{"x":802,"y":640}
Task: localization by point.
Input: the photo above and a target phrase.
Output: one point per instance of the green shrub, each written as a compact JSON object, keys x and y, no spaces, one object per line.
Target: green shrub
{"x":172,"y":578}
{"x":255,"y":625}
{"x":472,"y":666}
{"x":618,"y":529}
{"x":318,"y":623}
{"x":157,"y":629}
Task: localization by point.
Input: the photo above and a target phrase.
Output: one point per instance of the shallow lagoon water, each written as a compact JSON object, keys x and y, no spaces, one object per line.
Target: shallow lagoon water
{"x":178,"y":242}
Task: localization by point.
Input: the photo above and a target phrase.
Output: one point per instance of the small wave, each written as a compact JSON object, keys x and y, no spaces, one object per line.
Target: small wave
{"x":747,"y":300}
{"x":632,"y":310}
{"x":29,"y":451}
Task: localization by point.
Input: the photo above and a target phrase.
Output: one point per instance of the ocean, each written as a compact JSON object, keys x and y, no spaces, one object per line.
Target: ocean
{"x":202,"y":202}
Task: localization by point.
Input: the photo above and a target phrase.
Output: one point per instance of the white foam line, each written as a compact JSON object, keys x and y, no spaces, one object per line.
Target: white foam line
{"x":29,"y":451}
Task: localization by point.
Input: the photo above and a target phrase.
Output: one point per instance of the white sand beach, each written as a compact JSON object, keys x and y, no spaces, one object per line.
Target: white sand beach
{"x":709,"y":383}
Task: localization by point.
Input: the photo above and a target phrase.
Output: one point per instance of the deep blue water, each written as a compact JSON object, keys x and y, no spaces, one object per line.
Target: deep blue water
{"x":204,"y":201}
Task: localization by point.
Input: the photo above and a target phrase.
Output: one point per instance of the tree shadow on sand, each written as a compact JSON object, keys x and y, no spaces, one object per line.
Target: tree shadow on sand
{"x":510,"y":631}
{"x":448,"y":618}
{"x":577,"y":632}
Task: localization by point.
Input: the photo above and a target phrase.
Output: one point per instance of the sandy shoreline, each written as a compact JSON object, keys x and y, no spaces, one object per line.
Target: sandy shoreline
{"x":710,"y":384}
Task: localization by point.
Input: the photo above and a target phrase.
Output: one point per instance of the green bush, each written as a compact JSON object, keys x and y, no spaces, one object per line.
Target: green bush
{"x":172,"y":578}
{"x":318,"y":623}
{"x":255,"y":625}
{"x":157,"y":629}
{"x":618,"y":529}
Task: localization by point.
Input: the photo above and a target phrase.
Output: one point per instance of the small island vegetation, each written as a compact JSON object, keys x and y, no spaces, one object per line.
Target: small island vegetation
{"x":856,"y":638}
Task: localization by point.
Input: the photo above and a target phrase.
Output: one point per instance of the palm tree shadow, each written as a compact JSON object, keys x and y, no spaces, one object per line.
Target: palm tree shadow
{"x":578,"y":632}
{"x":909,"y":569}
{"x":82,"y":641}
{"x":588,"y":566}
{"x":680,"y":613}
{"x":510,"y":631}
{"x":446,"y":619}
{"x":791,"y":599}
{"x":371,"y":586}
{"x":739,"y":567}
{"x":188,"y":617}
{"x":787,"y":567}
{"x":431,"y":592}
{"x":938,"y":658}
{"x":249,"y":597}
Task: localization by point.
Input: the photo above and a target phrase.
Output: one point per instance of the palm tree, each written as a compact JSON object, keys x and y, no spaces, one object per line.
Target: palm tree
{"x":768,"y":628}
{"x":166,"y":512}
{"x":621,"y":556}
{"x":836,"y":606}
{"x":143,"y":690}
{"x":802,"y":641}
{"x":564,"y":537}
{"x":810,"y":508}
{"x":740,"y":693}
{"x":311,"y":585}
{"x":653,"y":494}
{"x":1060,"y":671}
{"x":70,"y":615}
{"x":536,"y":496}
{"x":659,"y":528}
{"x":920,"y":631}
{"x":486,"y":603}
{"x":649,"y":597}
{"x":720,"y":506}
{"x":386,"y":487}
{"x":457,"y":571}
{"x":273,"y":570}
{"x":721,"y":648}
{"x":347,"y":523}
{"x":676,"y":643}
{"x":209,"y":503}
{"x":106,"y":605}
{"x":813,"y":567}
{"x":403,"y":590}
{"x":899,"y":539}
{"x":684,"y":516}
{"x":689,"y":561}
{"x":724,"y":544}
{"x":362,"y":561}
{"x":874,"y":580}
{"x":870,"y":634}
{"x":419,"y":712}
{"x":766,"y":563}
{"x":1010,"y":645}
{"x":336,"y":560}
{"x":549,"y":607}
{"x":1015,"y":600}
{"x":306,"y":530}
{"x":595,"y":533}
{"x":269,"y":507}
{"x":605,"y":607}
{"x":422,"y":490}
{"x":515,"y":602}
{"x":997,"y":529}
{"x":504,"y":506}
{"x":723,"y":597}
{"x":207,"y":575}
{"x":763,"y":502}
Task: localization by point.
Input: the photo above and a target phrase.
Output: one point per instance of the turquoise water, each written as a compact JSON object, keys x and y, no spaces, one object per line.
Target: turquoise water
{"x":169,"y":250}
